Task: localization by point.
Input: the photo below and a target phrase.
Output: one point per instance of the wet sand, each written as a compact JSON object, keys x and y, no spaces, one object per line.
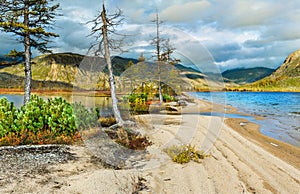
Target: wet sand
{"x":282,"y":150}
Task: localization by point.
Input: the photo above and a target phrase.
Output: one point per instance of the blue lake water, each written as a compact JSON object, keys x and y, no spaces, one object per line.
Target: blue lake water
{"x":281,"y":111}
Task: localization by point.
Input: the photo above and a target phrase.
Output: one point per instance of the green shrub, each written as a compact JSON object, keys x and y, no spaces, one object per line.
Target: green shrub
{"x":85,"y":118}
{"x":31,"y":116}
{"x":8,"y":114}
{"x":184,"y":154}
{"x":167,"y":98}
{"x":41,"y":121}
{"x":138,"y":102}
{"x":59,"y":117}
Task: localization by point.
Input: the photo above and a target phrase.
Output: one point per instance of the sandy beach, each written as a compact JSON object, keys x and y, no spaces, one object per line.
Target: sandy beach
{"x":241,"y":160}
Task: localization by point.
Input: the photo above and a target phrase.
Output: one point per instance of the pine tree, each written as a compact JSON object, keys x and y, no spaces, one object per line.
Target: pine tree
{"x":29,"y":20}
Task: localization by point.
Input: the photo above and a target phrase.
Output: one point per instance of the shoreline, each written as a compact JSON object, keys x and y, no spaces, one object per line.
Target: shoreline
{"x":282,"y":150}
{"x":60,"y":92}
{"x":251,"y":131}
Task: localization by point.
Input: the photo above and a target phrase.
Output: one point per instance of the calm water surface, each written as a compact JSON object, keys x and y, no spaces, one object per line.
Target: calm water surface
{"x":280,"y":109}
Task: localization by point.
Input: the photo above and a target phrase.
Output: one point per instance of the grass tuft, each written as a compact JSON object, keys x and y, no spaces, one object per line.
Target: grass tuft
{"x":185,"y":153}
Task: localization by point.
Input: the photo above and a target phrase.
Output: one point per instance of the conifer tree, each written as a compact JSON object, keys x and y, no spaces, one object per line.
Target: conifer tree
{"x":29,"y":21}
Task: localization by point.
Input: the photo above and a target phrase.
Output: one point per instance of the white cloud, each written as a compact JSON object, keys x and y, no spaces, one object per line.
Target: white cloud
{"x":185,"y":12}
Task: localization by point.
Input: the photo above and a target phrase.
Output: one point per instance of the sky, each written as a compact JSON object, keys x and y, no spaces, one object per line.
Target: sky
{"x":229,"y":33}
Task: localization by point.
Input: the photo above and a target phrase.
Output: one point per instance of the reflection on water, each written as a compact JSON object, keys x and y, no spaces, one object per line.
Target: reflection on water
{"x":89,"y":101}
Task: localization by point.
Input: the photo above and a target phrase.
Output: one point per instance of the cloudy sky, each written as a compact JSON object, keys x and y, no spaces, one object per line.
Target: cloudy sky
{"x":231,"y":33}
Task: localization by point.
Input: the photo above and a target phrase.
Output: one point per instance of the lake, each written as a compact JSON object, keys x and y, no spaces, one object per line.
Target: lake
{"x":281,"y":111}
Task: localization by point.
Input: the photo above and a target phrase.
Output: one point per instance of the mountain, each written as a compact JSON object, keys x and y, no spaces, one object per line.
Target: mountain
{"x":88,"y":72}
{"x":68,"y":68}
{"x":249,"y":75}
{"x":284,"y":78}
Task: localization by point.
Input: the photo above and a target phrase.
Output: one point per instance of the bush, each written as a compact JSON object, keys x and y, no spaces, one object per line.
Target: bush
{"x":138,"y":102}
{"x":85,"y":118}
{"x":168,"y":98}
{"x":39,"y":121}
{"x":8,"y":113}
{"x":184,"y":154}
{"x":59,"y":117}
{"x":128,"y":138}
{"x":31,"y":116}
{"x":107,"y":121}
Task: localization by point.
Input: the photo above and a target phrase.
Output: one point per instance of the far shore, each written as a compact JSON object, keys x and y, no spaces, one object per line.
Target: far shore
{"x":96,"y":93}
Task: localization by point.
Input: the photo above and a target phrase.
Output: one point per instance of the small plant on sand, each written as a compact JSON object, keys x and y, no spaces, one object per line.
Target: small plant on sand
{"x":184,"y":153}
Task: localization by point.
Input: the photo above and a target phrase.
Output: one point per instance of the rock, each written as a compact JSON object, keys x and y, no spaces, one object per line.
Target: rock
{"x":243,"y":123}
{"x":171,"y":108}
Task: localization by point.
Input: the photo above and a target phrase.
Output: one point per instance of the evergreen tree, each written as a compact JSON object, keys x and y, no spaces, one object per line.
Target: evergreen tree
{"x":29,"y":21}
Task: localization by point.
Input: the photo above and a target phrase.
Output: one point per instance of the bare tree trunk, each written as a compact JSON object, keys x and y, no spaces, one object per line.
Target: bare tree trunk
{"x":27,"y":87}
{"x":158,"y":58}
{"x":116,"y":111}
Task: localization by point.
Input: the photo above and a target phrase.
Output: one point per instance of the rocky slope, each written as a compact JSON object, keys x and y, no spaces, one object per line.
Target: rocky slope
{"x":68,"y":68}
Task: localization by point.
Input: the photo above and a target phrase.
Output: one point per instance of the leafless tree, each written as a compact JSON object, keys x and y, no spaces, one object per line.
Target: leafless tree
{"x":157,"y":40}
{"x":104,"y":27}
{"x":164,"y":51}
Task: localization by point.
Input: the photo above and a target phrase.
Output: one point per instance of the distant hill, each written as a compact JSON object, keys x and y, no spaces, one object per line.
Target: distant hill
{"x":69,"y":68}
{"x":88,"y":73}
{"x":284,"y":78}
{"x":249,"y":75}
{"x":7,"y":61}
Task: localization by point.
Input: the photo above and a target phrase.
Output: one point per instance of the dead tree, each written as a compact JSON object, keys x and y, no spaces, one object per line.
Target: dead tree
{"x":164,"y":51}
{"x":157,"y":42}
{"x":104,"y":27}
